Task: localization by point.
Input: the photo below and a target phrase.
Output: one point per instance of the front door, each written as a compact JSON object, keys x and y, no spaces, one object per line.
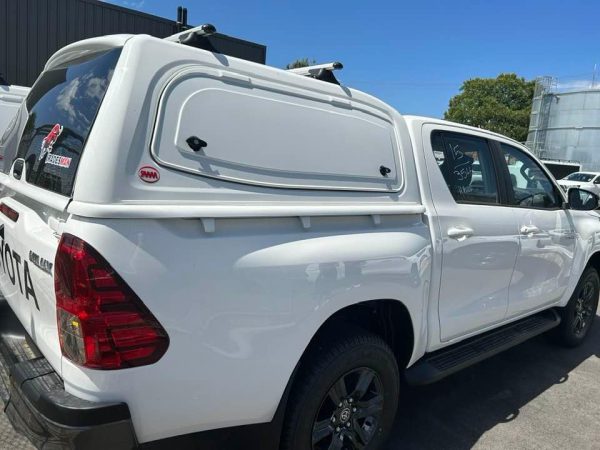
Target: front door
{"x":479,"y":237}
{"x":546,"y":232}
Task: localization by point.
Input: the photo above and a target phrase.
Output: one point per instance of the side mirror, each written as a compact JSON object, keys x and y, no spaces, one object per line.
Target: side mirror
{"x":583,"y":200}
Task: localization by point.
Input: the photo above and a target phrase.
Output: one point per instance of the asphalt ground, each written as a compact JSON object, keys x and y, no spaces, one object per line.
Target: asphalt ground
{"x":534,"y":396}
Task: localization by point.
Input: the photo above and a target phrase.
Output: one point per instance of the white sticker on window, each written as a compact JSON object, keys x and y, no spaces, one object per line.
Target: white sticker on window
{"x":57,"y":160}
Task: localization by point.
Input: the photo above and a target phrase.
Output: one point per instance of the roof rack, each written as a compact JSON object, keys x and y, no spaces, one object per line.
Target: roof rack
{"x":205,"y":37}
{"x":323,"y":72}
{"x":193,"y":35}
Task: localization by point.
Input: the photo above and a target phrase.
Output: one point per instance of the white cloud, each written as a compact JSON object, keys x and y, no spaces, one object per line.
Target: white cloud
{"x":64,"y":101}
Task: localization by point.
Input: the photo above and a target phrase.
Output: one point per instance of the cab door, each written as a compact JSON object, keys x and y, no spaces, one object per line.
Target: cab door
{"x":478,"y":237}
{"x":546,"y":233}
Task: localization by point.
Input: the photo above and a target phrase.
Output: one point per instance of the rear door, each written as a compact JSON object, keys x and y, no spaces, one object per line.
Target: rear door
{"x":478,"y":236}
{"x":61,"y":109}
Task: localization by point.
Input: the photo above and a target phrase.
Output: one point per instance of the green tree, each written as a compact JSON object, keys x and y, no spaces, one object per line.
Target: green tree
{"x":303,"y":62}
{"x":501,"y":104}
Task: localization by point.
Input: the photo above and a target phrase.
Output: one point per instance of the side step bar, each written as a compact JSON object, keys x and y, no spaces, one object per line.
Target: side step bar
{"x":437,"y":365}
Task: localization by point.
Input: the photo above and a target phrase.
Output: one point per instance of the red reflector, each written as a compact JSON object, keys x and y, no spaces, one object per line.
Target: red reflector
{"x":101,"y":322}
{"x":9,"y":212}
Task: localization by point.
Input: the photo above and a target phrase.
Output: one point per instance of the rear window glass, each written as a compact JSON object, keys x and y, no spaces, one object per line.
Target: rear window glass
{"x":62,"y":107}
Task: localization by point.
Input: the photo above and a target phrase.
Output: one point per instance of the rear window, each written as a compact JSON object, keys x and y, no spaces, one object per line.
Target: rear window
{"x":62,"y":107}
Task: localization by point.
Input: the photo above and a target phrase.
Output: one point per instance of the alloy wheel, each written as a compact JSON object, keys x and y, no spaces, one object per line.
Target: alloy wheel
{"x":584,"y":308}
{"x":350,"y":412}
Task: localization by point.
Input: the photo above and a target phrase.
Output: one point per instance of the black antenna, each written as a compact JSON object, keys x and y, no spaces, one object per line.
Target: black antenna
{"x":184,"y":19}
{"x":179,"y":15}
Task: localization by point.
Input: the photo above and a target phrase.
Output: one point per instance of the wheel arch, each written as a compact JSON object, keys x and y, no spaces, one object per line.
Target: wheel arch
{"x":388,"y":318}
{"x":593,"y":261}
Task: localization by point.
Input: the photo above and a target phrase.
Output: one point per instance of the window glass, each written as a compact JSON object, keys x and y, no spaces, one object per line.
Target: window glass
{"x":467,"y":166}
{"x":62,"y":106}
{"x":531,"y":187}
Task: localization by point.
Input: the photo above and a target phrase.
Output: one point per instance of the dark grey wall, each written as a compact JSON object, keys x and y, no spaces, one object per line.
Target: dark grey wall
{"x":32,"y":30}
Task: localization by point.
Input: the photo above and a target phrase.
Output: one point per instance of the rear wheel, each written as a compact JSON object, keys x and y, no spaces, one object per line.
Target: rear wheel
{"x":578,"y":316}
{"x":345,"y":398}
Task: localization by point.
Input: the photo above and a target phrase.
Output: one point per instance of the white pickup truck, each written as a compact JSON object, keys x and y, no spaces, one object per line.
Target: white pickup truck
{"x":200,"y":251}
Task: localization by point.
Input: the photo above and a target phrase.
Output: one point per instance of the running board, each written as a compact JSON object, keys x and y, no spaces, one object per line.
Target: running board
{"x":437,"y":365}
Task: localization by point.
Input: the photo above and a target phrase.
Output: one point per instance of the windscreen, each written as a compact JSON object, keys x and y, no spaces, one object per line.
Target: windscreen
{"x":62,"y":107}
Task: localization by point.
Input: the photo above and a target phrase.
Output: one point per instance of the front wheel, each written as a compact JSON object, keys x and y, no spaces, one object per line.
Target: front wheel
{"x":345,"y":398}
{"x":578,"y":316}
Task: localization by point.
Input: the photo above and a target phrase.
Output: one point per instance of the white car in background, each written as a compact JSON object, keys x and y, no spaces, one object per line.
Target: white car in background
{"x":590,"y":181}
{"x":11,"y":97}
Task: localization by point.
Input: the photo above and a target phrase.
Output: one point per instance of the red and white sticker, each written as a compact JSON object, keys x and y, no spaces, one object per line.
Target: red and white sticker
{"x":149,"y":174}
{"x":50,"y":139}
{"x":57,"y":160}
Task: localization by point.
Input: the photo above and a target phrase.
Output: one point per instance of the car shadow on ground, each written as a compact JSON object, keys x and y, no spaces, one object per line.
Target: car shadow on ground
{"x":456,"y":412}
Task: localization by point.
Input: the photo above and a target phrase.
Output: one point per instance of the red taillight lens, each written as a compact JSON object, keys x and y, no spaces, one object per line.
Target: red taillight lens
{"x":101,"y":322}
{"x":9,"y":212}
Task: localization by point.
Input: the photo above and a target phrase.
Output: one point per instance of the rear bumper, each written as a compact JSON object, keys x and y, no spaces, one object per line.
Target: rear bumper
{"x":38,"y":406}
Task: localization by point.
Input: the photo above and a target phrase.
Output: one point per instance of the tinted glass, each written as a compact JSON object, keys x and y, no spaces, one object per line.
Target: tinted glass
{"x":531,"y":187}
{"x":62,"y":107}
{"x":467,"y":166}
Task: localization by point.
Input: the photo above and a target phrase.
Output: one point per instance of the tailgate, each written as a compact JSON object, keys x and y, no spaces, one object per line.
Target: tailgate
{"x":61,"y":109}
{"x":27,"y":249}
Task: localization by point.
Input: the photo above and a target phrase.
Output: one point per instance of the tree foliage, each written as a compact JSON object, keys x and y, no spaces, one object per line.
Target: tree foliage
{"x":303,"y":62}
{"x":501,"y":104}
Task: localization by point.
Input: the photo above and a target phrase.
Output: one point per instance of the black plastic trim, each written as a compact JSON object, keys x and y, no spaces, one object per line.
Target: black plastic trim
{"x":39,"y":407}
{"x":46,"y":393}
{"x":437,"y":365}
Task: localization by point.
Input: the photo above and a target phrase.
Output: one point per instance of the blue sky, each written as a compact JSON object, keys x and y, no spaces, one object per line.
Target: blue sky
{"x":412,"y":54}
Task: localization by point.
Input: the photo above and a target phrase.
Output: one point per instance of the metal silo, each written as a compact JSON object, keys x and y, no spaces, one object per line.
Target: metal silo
{"x":565,"y":121}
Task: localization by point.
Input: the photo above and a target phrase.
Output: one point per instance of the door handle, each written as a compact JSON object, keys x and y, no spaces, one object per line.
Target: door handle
{"x":460,"y":233}
{"x":529,"y":229}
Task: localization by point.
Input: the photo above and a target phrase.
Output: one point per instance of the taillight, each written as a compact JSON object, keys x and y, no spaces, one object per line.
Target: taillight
{"x":9,"y":212}
{"x":101,"y":322}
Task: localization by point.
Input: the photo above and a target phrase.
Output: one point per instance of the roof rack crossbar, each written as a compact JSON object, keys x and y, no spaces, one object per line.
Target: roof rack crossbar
{"x":193,"y":35}
{"x":206,"y":37}
{"x":323,"y":72}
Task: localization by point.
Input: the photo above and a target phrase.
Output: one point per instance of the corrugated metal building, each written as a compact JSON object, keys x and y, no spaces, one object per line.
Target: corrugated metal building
{"x":32,"y":30}
{"x":565,"y":121}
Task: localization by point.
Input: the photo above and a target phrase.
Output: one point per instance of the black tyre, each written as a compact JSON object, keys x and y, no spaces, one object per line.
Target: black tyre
{"x":578,"y":316}
{"x":345,"y":396}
